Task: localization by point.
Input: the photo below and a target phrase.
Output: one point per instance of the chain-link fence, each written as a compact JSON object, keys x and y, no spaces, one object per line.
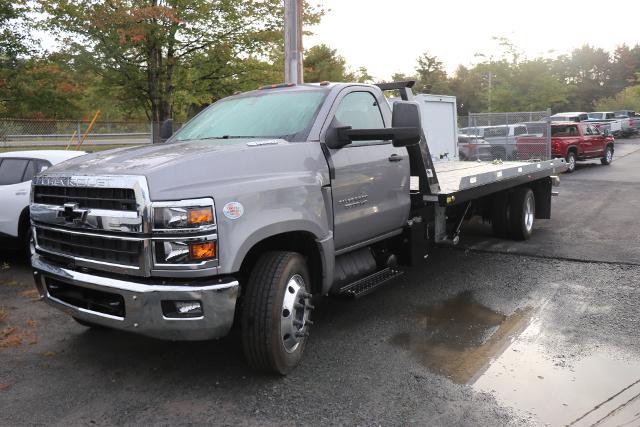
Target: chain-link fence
{"x":30,"y":132}
{"x":505,"y":136}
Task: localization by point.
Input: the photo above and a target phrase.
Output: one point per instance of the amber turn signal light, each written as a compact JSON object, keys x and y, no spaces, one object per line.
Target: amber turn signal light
{"x":200,"y":216}
{"x":202,"y":251}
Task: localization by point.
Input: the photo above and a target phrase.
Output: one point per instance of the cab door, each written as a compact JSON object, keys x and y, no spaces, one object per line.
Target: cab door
{"x":598,"y":141}
{"x":586,"y":144}
{"x":15,"y":190}
{"x":370,"y":179}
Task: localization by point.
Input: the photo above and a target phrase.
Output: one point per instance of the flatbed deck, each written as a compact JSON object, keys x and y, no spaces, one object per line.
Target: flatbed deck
{"x":467,"y":180}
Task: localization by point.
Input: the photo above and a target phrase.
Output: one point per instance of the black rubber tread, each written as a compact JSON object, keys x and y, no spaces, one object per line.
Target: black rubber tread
{"x":517,"y":228}
{"x":499,"y":214}
{"x":24,"y":233}
{"x":571,"y":153}
{"x":260,"y":315}
{"x":604,"y":159}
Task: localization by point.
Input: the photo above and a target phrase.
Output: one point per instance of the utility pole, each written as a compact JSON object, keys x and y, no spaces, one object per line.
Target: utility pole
{"x":293,"y":71}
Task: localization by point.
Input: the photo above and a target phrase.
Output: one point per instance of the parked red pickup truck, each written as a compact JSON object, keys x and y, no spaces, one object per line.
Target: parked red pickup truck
{"x":573,"y":142}
{"x":580,"y":141}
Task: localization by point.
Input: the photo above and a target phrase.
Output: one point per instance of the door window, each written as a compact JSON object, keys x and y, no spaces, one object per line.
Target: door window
{"x":586,"y":130}
{"x":12,"y":170}
{"x":30,"y":172}
{"x":520,"y":130}
{"x":360,"y":110}
{"x":35,"y":167}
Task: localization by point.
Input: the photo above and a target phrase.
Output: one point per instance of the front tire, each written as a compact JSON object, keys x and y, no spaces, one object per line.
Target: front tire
{"x":28,"y":244}
{"x":608,"y":156}
{"x":571,"y":162}
{"x":275,"y":312}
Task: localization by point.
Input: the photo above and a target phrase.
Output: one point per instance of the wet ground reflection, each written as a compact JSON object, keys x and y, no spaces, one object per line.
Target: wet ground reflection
{"x":458,"y":337}
{"x":504,"y":355}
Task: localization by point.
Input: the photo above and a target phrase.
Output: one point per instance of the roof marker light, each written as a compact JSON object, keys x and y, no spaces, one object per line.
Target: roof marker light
{"x":276,"y":86}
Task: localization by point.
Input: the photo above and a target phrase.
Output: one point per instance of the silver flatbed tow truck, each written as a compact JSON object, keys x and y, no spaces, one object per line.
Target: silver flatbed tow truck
{"x":261,"y":202}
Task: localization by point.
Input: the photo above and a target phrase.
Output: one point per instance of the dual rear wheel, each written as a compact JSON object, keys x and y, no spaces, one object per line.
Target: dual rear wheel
{"x":513,"y":214}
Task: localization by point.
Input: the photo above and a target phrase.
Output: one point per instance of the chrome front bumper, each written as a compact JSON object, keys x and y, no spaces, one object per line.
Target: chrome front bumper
{"x":142,"y":303}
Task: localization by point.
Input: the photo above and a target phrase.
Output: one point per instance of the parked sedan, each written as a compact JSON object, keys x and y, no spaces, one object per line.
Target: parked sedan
{"x":17,"y":169}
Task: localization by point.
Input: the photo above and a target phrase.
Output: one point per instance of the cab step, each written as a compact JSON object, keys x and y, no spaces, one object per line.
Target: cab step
{"x":370,"y":283}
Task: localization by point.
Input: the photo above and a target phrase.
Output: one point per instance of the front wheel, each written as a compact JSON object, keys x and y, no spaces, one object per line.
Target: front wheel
{"x":608,"y":156}
{"x":275,"y":312}
{"x":28,"y":244}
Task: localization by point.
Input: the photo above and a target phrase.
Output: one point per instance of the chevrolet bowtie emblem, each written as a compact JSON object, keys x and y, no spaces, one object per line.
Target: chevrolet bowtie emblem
{"x":72,"y":213}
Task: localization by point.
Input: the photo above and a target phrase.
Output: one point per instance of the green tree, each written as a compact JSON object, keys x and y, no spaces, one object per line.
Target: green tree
{"x":146,"y":48}
{"x":627,"y":99}
{"x":530,"y":86}
{"x":321,"y":63}
{"x":432,"y":77}
{"x":588,"y":71}
{"x":14,"y":46}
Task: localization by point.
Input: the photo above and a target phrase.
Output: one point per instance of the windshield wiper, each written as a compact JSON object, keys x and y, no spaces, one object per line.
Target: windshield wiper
{"x":231,"y":137}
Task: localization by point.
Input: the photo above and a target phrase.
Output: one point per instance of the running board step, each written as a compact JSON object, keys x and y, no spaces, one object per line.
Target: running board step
{"x":370,"y":283}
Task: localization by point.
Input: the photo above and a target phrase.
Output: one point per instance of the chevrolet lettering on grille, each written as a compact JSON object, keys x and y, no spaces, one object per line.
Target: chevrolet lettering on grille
{"x":72,"y":181}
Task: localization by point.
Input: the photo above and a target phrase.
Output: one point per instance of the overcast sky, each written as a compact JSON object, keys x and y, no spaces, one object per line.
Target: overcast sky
{"x":386,"y":36}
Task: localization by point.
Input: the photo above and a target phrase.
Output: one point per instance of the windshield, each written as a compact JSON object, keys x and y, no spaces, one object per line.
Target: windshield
{"x":568,"y":130}
{"x":596,"y":116}
{"x":263,"y":115}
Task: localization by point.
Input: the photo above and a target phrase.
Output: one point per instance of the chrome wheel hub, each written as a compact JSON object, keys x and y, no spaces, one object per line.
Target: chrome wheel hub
{"x":609,"y":155}
{"x":294,"y":320}
{"x":528,"y":214}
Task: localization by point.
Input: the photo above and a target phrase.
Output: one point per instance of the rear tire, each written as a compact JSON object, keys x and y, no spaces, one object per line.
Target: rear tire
{"x":275,"y":312}
{"x":499,"y":215}
{"x":522,"y":212}
{"x":571,"y":161}
{"x":608,"y":156}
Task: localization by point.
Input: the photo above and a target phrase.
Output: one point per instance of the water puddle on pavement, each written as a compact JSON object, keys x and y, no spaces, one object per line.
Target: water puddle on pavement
{"x":458,"y":337}
{"x":503,"y":355}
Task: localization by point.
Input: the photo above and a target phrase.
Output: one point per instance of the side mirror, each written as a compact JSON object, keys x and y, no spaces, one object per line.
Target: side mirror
{"x":406,"y":129}
{"x":406,"y":115}
{"x":166,"y":129}
{"x":335,"y":137}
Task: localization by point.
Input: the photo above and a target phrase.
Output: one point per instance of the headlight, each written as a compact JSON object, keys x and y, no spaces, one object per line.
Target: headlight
{"x":184,"y":234}
{"x":191,"y":251}
{"x":186,"y":215}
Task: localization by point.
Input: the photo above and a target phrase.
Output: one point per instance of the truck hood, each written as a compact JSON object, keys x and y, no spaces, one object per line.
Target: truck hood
{"x":201,"y":168}
{"x":145,"y":159}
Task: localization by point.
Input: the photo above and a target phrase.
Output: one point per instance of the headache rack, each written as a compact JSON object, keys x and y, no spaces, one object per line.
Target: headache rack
{"x":453,"y":182}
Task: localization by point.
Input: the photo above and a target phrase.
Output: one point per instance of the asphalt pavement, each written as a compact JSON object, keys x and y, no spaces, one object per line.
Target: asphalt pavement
{"x":489,"y":333}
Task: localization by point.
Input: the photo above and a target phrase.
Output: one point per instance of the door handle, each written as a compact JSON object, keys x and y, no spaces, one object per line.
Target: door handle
{"x":21,"y":193}
{"x":395,"y":158}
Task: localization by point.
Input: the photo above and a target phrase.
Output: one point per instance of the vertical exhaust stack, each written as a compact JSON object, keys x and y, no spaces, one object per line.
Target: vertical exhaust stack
{"x":293,"y":71}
